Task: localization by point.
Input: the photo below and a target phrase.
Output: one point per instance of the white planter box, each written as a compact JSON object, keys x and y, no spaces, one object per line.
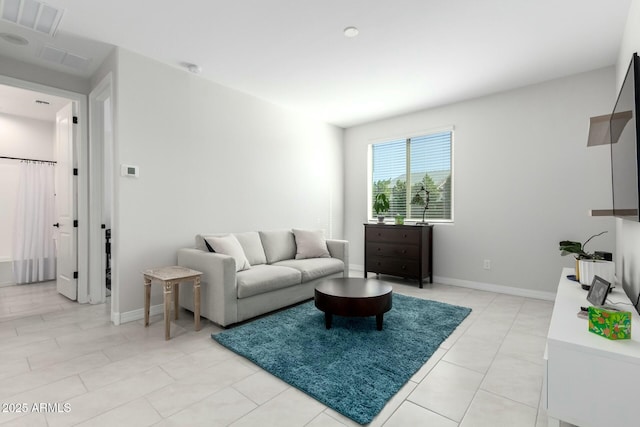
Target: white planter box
{"x":590,"y":268}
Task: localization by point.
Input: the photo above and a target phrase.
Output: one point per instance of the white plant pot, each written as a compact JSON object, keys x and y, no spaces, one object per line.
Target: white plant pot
{"x":590,"y":268}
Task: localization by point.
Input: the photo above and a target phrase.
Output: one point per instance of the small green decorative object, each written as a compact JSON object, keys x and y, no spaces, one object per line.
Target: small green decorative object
{"x":611,"y":324}
{"x":399,"y":219}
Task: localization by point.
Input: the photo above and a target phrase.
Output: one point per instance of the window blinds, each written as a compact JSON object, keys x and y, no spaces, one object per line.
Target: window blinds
{"x":402,"y":168}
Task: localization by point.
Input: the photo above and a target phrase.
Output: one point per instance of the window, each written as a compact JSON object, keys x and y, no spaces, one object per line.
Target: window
{"x":413,"y":171}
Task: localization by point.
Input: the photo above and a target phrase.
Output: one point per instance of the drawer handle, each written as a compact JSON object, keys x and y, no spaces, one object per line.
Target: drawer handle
{"x":404,"y":251}
{"x":379,"y":234}
{"x":404,"y":267}
{"x":405,"y":235}
{"x":378,"y":263}
{"x":379,"y":249}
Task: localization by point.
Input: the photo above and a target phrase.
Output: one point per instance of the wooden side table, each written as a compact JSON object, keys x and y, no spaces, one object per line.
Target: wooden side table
{"x":171,"y":277}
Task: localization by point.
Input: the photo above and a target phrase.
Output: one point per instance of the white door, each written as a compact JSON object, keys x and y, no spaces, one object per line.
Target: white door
{"x":66,"y":208}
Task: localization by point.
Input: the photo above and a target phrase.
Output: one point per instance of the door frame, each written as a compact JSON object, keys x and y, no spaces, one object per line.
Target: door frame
{"x":97,"y":97}
{"x":82,"y":157}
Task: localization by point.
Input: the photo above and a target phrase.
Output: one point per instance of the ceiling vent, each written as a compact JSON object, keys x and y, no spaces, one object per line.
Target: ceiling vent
{"x":32,"y":14}
{"x":61,"y":56}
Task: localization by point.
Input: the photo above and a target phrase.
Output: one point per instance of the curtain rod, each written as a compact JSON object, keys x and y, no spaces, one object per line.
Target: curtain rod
{"x":29,"y":160}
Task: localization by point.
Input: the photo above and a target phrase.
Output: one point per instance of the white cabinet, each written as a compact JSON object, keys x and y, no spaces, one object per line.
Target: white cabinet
{"x":590,"y":380}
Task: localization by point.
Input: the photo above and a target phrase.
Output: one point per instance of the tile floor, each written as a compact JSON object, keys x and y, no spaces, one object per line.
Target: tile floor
{"x":487,"y":373}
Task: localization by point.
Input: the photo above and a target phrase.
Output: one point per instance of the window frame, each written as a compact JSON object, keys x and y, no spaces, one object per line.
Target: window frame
{"x":409,"y":136}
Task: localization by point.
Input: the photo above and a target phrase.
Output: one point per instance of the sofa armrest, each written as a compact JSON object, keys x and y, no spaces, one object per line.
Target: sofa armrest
{"x":220,"y":296}
{"x":340,"y":249}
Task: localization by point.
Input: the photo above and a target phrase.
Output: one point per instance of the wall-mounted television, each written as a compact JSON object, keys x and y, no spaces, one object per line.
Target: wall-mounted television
{"x":624,"y":126}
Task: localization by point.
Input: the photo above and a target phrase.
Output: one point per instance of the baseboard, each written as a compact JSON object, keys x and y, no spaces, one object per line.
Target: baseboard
{"x":133,"y":315}
{"x":115,"y":318}
{"x":490,"y":287}
{"x":500,"y":289}
{"x":356,"y":267}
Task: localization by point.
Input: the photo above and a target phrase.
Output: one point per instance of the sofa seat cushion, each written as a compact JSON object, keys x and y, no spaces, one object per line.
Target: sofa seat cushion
{"x":313,"y":268}
{"x":265,"y":278}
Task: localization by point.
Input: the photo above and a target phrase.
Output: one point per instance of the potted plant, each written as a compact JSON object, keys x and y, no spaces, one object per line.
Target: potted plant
{"x":381,"y":205}
{"x":578,"y":250}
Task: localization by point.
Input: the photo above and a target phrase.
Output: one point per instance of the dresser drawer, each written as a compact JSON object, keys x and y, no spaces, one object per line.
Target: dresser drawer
{"x":391,"y":234}
{"x":392,"y":250}
{"x":393,"y":266}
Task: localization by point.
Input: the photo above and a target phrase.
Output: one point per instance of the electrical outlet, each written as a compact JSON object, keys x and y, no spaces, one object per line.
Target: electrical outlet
{"x":487,"y":264}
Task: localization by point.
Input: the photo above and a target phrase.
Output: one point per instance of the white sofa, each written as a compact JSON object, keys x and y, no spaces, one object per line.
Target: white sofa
{"x":274,"y":280}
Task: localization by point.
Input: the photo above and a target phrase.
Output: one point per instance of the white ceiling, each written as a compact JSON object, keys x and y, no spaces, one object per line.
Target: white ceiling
{"x":22,"y":102}
{"x":410,"y":54}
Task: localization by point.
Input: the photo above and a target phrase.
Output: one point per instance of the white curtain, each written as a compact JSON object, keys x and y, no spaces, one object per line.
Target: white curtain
{"x":34,"y":258}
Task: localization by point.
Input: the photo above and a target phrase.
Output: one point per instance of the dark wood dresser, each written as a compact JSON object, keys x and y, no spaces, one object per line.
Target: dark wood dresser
{"x":399,"y":250}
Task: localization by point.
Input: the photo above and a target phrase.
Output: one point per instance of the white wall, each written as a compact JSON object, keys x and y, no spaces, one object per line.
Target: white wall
{"x":627,"y":232}
{"x":19,"y":137}
{"x":523,"y":180}
{"x":33,"y":73}
{"x":211,"y":159}
{"x":25,"y":137}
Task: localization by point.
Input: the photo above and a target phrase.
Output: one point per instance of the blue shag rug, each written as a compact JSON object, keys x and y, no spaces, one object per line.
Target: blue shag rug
{"x":352,"y":367}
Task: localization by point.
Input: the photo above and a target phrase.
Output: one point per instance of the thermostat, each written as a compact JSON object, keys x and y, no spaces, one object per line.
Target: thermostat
{"x":130,"y":170}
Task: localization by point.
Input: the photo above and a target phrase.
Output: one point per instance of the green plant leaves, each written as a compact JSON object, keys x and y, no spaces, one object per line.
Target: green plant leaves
{"x":570,"y":247}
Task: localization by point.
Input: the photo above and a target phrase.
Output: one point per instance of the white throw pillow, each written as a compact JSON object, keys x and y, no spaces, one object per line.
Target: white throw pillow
{"x":310,"y":244}
{"x":229,"y":245}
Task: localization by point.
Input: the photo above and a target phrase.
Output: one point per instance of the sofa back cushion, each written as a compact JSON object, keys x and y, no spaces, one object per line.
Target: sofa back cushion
{"x":252,"y":245}
{"x":200,"y":242}
{"x":278,"y":245}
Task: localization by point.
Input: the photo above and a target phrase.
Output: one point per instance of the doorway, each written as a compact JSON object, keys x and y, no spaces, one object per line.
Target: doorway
{"x":79,"y":101}
{"x":26,"y":193}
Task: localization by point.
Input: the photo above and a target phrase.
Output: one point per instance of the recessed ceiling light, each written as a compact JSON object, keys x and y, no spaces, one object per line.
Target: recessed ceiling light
{"x":14,"y":39}
{"x":351,"y":32}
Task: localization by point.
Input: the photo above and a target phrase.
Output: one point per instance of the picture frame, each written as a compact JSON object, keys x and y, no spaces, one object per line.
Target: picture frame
{"x":598,"y":292}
